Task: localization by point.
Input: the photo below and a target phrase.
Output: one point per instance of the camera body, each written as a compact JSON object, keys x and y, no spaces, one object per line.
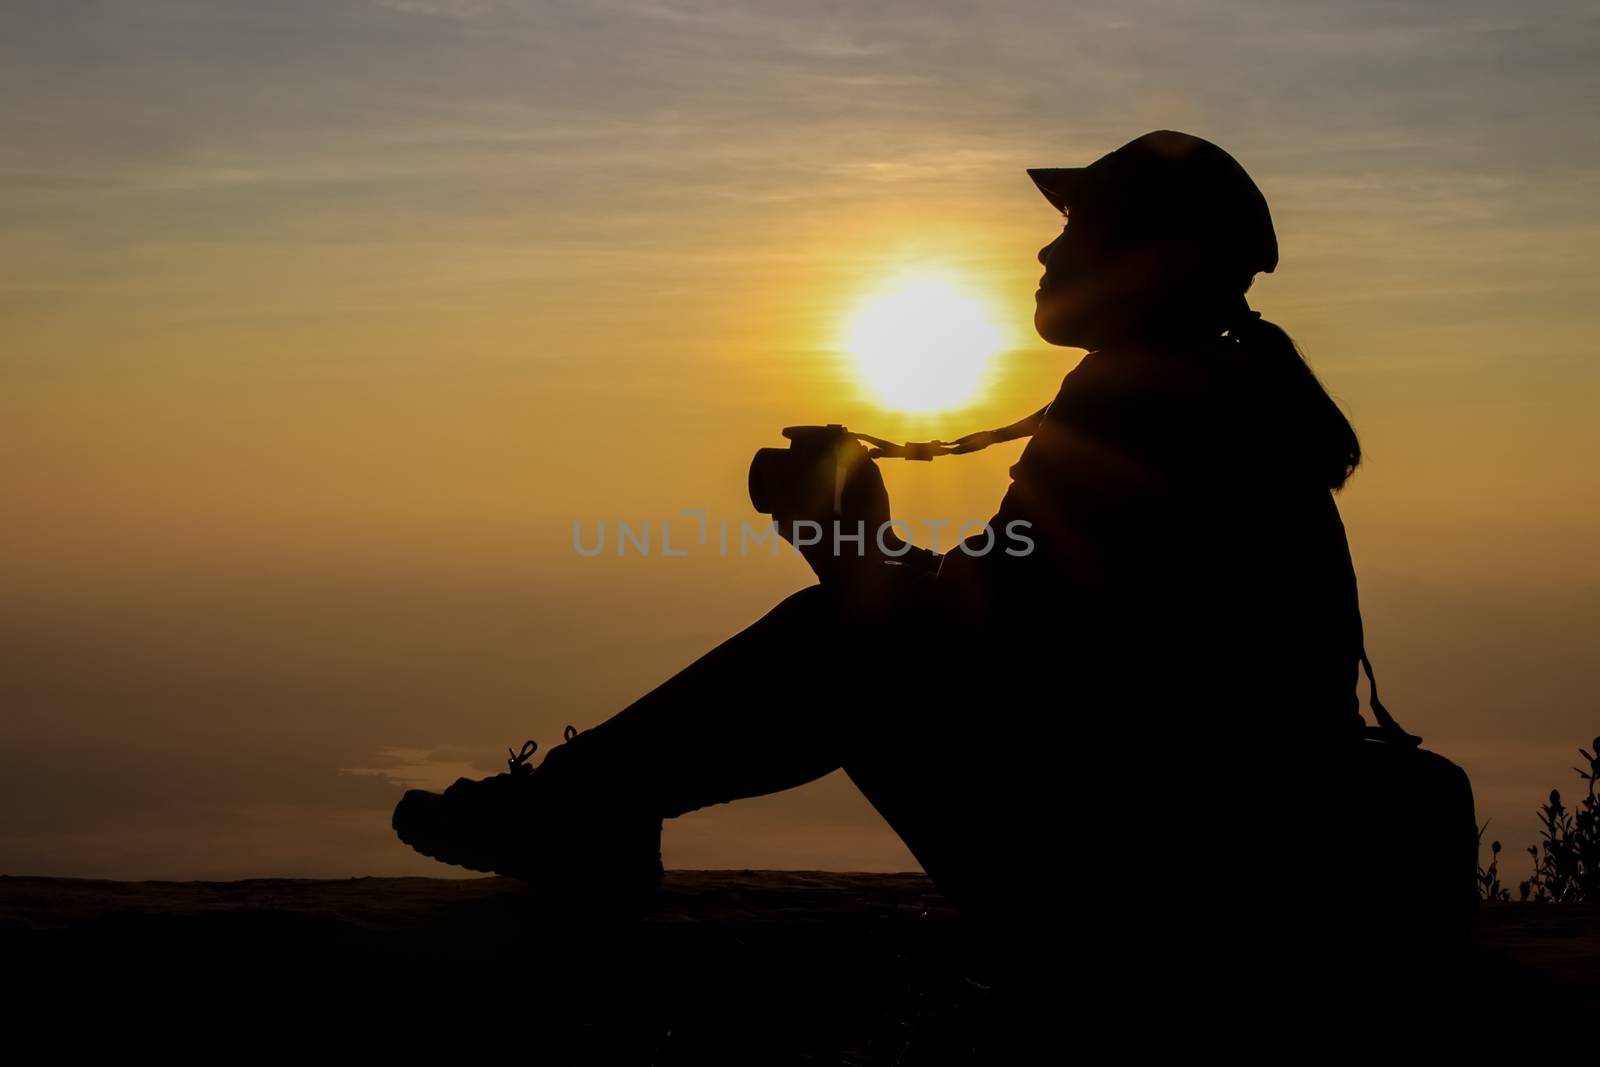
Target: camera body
{"x":825,"y":475}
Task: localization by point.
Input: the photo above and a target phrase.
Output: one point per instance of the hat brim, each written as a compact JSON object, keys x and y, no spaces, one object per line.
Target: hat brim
{"x":1062,"y":186}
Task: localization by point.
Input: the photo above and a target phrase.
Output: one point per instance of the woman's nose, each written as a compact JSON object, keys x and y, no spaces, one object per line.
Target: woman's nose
{"x":1044,"y":253}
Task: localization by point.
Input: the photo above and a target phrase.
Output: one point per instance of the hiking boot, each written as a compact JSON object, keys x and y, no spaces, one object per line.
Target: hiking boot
{"x":560,"y":827}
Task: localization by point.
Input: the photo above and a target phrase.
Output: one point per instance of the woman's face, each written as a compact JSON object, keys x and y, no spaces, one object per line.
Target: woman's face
{"x":1099,"y":289}
{"x":1074,"y":287}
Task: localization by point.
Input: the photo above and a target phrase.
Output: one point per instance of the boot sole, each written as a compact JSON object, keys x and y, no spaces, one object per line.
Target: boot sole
{"x":415,"y":835}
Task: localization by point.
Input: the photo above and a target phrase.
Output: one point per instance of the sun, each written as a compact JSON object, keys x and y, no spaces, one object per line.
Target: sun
{"x":923,"y":343}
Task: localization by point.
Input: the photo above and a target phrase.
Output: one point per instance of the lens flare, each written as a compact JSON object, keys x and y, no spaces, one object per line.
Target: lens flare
{"x":924,"y":343}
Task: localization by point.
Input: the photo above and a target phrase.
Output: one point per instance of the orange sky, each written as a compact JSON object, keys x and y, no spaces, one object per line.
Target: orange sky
{"x":321,"y":322}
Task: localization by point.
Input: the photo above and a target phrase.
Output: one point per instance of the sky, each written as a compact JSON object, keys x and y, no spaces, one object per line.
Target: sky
{"x":322,"y":323}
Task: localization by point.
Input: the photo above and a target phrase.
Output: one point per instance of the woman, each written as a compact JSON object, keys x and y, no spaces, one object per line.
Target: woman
{"x":1183,"y":641}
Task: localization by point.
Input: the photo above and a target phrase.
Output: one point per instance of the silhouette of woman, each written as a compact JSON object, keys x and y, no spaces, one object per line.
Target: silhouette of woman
{"x":1182,"y":642}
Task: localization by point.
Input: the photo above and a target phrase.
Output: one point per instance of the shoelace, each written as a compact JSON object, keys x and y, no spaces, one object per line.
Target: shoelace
{"x":519,"y":760}
{"x":518,"y":763}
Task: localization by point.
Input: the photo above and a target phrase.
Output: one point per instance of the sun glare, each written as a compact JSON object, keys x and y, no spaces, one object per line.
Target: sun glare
{"x":924,"y":343}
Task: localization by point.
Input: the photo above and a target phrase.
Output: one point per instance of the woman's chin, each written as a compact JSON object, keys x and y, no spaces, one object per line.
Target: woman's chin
{"x":1051,"y":325}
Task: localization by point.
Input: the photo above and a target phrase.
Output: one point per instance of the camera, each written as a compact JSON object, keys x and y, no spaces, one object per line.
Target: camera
{"x":827,"y":477}
{"x":825,"y":474}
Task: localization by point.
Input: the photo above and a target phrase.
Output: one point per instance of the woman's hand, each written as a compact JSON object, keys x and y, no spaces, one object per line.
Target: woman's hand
{"x":843,"y":536}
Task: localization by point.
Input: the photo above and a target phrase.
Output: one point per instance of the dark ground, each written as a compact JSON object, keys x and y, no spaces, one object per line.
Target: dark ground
{"x":752,"y":967}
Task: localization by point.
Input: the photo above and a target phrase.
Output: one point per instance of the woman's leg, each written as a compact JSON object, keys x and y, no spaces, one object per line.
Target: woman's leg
{"x":773,"y":707}
{"x":811,"y":687}
{"x":789,"y":699}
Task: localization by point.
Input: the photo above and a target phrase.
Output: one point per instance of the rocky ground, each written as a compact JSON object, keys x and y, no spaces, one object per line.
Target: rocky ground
{"x":750,"y":967}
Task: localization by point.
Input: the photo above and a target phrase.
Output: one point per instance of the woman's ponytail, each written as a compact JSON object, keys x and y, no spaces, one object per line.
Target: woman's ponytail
{"x":1309,"y":425}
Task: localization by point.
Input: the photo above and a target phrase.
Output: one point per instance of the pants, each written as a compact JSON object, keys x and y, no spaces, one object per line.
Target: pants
{"x":811,"y":687}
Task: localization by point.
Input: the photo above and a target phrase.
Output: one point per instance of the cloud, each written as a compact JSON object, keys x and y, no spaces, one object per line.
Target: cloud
{"x":448,"y":9}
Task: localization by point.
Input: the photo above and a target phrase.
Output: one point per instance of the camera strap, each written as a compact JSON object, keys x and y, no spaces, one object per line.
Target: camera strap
{"x":972,"y":442}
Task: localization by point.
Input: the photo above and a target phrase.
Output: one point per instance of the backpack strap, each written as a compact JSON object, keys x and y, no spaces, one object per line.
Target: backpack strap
{"x":1387,"y":729}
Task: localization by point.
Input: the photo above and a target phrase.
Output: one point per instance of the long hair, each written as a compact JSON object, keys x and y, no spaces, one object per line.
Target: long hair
{"x":1309,"y":425}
